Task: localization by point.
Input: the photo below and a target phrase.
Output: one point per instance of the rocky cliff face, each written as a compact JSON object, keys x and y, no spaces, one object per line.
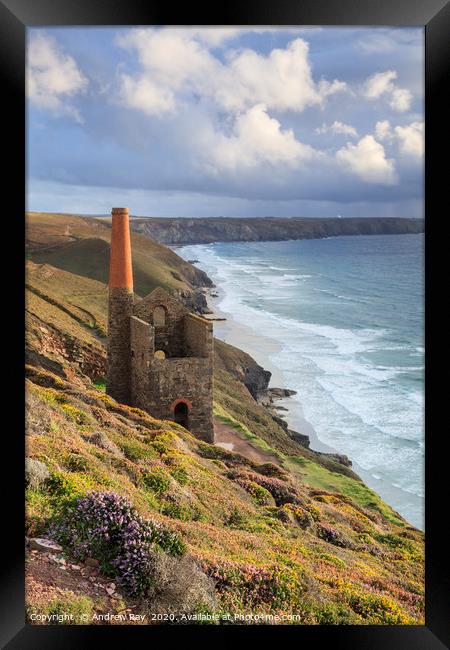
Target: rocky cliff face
{"x":208,"y":230}
{"x":242,"y":367}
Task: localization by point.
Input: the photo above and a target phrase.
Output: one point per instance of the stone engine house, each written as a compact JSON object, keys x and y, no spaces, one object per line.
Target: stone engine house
{"x":160,"y":356}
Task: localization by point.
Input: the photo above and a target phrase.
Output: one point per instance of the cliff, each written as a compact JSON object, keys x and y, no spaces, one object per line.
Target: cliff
{"x":208,"y":230}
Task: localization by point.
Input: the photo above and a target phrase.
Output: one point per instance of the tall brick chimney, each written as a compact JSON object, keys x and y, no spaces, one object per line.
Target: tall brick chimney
{"x":119,"y":308}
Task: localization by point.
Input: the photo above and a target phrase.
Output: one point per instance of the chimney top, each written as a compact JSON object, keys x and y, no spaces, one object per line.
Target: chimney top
{"x":120,"y":268}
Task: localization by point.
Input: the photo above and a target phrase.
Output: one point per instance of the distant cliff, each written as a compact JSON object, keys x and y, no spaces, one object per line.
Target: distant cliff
{"x":214,"y":229}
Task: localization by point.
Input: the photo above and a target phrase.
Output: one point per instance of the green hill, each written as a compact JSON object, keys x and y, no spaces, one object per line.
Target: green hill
{"x":81,"y":245}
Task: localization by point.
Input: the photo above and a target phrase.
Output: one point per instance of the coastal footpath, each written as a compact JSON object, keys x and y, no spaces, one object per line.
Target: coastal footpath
{"x":178,"y":231}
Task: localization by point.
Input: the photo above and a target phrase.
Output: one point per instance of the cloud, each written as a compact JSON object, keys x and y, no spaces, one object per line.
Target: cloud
{"x":53,"y":77}
{"x":383,"y":130}
{"x":230,"y":113}
{"x":379,"y":83}
{"x":282,"y":80}
{"x":178,"y":64}
{"x":409,"y":138}
{"x":382,"y":83}
{"x":258,"y":139}
{"x":400,"y":99}
{"x":337,"y":127}
{"x":382,"y":41}
{"x":367,"y":159}
{"x":145,"y":95}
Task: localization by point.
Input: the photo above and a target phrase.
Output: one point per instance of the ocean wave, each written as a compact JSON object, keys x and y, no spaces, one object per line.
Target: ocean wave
{"x":339,"y":296}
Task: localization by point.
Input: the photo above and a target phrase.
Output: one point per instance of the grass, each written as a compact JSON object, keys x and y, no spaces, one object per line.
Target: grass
{"x":67,"y":609}
{"x":231,"y":530}
{"x":223,"y":416}
{"x":317,"y":476}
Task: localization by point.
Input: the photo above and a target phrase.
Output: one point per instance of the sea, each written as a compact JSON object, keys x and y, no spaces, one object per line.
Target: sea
{"x":342,"y":321}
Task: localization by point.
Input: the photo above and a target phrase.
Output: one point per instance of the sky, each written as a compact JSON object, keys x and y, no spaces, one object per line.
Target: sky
{"x":226,"y":121}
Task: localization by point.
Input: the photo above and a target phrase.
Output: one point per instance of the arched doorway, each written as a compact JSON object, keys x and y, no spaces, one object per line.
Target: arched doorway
{"x":181,"y":414}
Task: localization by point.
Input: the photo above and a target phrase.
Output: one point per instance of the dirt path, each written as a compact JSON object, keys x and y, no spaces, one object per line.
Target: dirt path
{"x":230,"y":439}
{"x":50,"y":575}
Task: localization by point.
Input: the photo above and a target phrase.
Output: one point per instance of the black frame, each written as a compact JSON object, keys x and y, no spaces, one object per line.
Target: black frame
{"x":15,"y":17}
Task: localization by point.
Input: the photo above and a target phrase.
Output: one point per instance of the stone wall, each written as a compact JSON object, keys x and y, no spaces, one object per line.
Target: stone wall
{"x":190,"y":380}
{"x":170,"y":337}
{"x":198,"y":336}
{"x":142,"y":353}
{"x":119,"y":352}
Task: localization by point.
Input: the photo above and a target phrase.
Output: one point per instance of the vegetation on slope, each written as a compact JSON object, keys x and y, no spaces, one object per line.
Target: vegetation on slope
{"x":269,"y":543}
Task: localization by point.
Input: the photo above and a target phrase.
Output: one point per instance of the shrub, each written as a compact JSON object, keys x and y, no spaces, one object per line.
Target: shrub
{"x":259,"y":493}
{"x":281,"y":491}
{"x":234,"y":519}
{"x":180,"y":475}
{"x":100,"y":384}
{"x":164,"y":442}
{"x":330,"y":535}
{"x":394,"y":541}
{"x":107,"y":527}
{"x":36,"y":473}
{"x":334,"y":614}
{"x":284,"y":515}
{"x":182,"y":588}
{"x":303,"y":518}
{"x":179,"y":511}
{"x":272,"y":470}
{"x":134,"y":450}
{"x":333,"y":560}
{"x":38,"y":509}
{"x":157,"y":480}
{"x":252,"y":586}
{"x":378,"y":609}
{"x":74,"y":414}
{"x":63,"y":489}
{"x":76,"y":463}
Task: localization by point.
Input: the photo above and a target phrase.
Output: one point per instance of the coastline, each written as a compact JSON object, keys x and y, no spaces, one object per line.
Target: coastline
{"x":242,"y":336}
{"x":260,"y":347}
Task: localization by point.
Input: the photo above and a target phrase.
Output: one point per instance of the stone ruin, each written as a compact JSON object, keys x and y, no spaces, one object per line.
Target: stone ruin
{"x":160,"y":356}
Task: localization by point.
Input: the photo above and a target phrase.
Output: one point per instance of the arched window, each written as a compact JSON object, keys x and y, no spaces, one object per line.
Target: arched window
{"x":160,"y":354}
{"x":159,"y":316}
{"x":181,"y":414}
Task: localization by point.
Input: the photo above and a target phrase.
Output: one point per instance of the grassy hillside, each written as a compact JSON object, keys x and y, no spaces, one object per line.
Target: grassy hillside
{"x":81,"y":245}
{"x":302,"y":535}
{"x":269,"y":542}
